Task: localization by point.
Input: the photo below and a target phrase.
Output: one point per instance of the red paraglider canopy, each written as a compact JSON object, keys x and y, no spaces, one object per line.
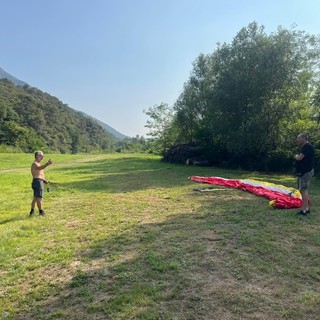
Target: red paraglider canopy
{"x":281,"y":197}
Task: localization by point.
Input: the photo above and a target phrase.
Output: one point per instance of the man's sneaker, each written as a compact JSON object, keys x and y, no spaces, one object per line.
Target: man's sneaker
{"x":31,"y":212}
{"x":308,"y":211}
{"x":302,"y":213}
{"x":42,"y":213}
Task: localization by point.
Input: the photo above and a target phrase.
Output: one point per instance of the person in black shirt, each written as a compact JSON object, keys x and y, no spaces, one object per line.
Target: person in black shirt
{"x":304,"y":170}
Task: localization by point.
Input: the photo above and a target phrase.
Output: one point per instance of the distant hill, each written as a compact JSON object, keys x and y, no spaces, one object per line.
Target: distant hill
{"x":6,"y":75}
{"x":106,"y":127}
{"x":31,"y":119}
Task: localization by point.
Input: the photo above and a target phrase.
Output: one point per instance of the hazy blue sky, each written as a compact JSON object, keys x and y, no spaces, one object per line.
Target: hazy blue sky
{"x":112,"y":59}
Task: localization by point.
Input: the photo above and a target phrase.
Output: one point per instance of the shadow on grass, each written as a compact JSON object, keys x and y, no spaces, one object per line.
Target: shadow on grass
{"x":136,"y":173}
{"x":9,"y":220}
{"x":190,"y":266}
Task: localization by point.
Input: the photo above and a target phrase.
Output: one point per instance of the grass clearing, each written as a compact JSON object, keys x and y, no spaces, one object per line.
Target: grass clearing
{"x":127,"y":237}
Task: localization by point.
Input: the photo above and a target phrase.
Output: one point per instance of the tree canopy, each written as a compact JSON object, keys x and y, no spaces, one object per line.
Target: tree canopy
{"x":247,"y":101}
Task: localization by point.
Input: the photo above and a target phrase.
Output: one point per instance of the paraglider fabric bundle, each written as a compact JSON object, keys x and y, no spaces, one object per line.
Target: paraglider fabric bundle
{"x":281,"y":197}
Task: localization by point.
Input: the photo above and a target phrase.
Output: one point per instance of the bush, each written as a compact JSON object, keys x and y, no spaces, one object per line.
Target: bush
{"x":9,"y":149}
{"x":280,"y":161}
{"x":182,"y":152}
{"x":317,"y":163}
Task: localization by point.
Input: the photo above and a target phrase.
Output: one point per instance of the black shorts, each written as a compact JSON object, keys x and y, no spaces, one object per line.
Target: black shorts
{"x":37,"y":186}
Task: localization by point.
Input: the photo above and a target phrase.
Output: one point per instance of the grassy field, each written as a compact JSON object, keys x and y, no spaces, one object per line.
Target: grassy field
{"x":127,"y":237}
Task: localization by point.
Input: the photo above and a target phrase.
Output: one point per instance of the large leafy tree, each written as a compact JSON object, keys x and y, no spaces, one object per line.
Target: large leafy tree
{"x":193,"y":106}
{"x":161,"y":127}
{"x":247,"y":93}
{"x":263,"y":78}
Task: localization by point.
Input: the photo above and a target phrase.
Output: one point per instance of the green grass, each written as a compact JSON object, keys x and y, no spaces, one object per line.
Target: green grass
{"x":127,"y":237}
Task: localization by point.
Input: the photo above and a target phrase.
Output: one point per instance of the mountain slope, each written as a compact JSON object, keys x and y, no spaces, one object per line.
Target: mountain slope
{"x":6,"y":75}
{"x":106,"y":127}
{"x":31,"y":119}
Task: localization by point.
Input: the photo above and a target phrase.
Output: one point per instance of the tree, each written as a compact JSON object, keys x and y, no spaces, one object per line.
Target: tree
{"x":194,"y":106}
{"x":245,"y":94}
{"x":161,"y":126}
{"x":266,"y":76}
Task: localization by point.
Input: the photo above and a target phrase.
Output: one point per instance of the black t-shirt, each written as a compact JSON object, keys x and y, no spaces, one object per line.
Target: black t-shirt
{"x":306,"y":164}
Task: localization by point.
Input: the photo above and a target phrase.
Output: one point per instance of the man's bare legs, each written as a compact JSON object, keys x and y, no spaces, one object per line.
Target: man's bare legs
{"x":36,"y":201}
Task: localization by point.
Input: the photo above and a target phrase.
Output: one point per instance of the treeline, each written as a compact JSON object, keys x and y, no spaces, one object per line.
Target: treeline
{"x":245,"y":103}
{"x":31,"y":119}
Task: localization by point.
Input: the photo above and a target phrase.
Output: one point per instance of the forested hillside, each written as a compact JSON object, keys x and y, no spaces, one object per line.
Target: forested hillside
{"x":106,"y":127}
{"x":31,"y":119}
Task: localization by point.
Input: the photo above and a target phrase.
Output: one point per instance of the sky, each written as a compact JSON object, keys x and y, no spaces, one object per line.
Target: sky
{"x":112,"y":59}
